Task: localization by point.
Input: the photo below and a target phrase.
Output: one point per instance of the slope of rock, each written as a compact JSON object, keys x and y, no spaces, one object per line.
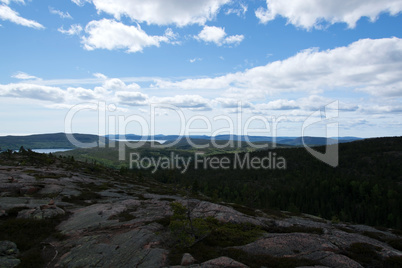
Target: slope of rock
{"x":103,"y":219}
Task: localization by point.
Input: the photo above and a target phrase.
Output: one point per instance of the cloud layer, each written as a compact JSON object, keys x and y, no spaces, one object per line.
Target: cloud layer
{"x":162,"y":12}
{"x":370,"y":65}
{"x":316,"y":13}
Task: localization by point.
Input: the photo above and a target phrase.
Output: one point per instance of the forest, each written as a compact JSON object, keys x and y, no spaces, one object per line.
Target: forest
{"x":365,"y":188}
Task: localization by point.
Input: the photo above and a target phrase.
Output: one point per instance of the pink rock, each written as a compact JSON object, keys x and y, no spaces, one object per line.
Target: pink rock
{"x":187,"y":259}
{"x":223,"y":262}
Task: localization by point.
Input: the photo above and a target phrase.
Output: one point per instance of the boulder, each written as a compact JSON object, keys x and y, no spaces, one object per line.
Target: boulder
{"x":8,"y":251}
{"x":187,"y":259}
{"x":223,"y":262}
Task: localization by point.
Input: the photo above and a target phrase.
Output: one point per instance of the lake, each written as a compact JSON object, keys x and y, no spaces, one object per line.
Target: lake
{"x":48,"y":151}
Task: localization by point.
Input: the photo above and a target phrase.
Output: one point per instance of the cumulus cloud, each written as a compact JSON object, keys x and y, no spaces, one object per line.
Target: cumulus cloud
{"x":25,"y":76}
{"x":309,"y":14}
{"x":63,"y":15}
{"x":32,"y":91}
{"x":190,"y":102}
{"x":116,"y":84}
{"x":130,"y":98}
{"x":6,"y":13}
{"x":82,"y":93}
{"x":230,"y":103}
{"x":280,"y":104}
{"x":100,"y":75}
{"x":162,"y":12}
{"x":381,"y":109}
{"x":75,"y":29}
{"x":111,"y":35}
{"x":371,"y":65}
{"x":217,"y":35}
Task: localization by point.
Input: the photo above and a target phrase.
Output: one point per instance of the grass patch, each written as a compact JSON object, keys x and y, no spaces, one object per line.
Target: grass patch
{"x":164,"y":221}
{"x":243,"y":209}
{"x":28,"y":234}
{"x":220,"y":235}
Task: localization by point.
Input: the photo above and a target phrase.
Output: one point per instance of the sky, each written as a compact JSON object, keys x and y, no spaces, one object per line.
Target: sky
{"x":209,"y":67}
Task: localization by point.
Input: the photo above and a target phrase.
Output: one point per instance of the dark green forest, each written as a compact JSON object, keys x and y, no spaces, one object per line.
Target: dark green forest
{"x":365,"y":188}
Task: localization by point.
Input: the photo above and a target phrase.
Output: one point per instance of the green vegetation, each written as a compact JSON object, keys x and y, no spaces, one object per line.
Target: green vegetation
{"x":44,"y":141}
{"x":28,"y":234}
{"x":186,"y":230}
{"x":365,"y":188}
{"x":209,"y":238}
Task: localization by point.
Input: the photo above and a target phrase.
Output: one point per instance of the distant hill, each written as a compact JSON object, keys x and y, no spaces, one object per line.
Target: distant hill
{"x":44,"y":141}
{"x":59,"y":140}
{"x":284,"y":140}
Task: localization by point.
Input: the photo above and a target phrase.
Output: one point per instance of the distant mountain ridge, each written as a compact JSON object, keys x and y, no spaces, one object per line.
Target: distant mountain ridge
{"x":45,"y":141}
{"x":286,"y":140}
{"x":59,"y":140}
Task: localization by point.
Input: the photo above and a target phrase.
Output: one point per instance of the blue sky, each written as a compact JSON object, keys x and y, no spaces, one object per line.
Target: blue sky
{"x":199,"y":64}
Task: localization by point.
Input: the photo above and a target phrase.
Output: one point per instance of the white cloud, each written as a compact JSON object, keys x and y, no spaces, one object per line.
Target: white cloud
{"x":239,"y":11}
{"x":230,"y":103}
{"x":6,"y":13}
{"x":280,"y":104}
{"x":63,"y":15}
{"x":217,"y":35}
{"x":234,"y":39}
{"x":311,"y":13}
{"x":75,"y":29}
{"x":381,"y":109}
{"x":190,"y":102}
{"x":25,"y":76}
{"x":116,"y":84}
{"x":194,"y":60}
{"x":81,"y":93}
{"x":80,"y":2}
{"x":100,"y":75}
{"x":31,"y":91}
{"x":111,"y":35}
{"x":130,"y":98}
{"x":162,"y":12}
{"x":7,"y":2}
{"x":373,"y":66}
